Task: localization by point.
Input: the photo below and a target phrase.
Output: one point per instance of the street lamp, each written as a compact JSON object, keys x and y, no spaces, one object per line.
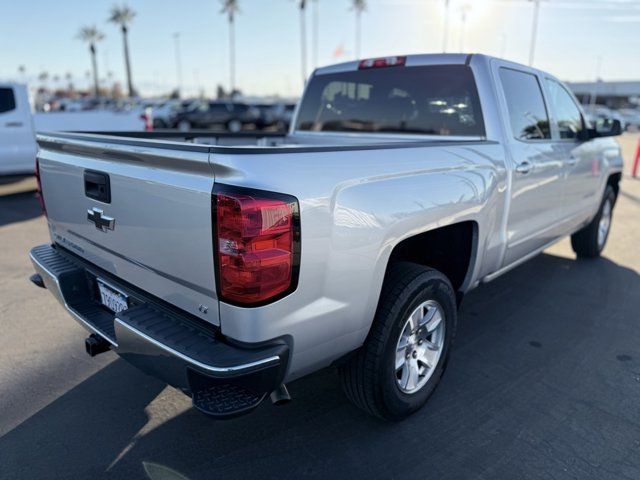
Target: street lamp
{"x":534,"y":30}
{"x":464,"y":10}
{"x":176,"y":38}
{"x":447,"y":4}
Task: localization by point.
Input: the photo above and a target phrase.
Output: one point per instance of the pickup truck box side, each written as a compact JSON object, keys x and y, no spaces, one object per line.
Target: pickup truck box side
{"x":385,"y":230}
{"x":356,"y":206}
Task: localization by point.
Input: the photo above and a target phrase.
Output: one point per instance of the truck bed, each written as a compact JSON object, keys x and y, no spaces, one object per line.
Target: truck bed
{"x":265,"y":142}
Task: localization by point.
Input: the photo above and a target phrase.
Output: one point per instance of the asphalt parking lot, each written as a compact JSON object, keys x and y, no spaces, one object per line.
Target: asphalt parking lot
{"x":544,"y":382}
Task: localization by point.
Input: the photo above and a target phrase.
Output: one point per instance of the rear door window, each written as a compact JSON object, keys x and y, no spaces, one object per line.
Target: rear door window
{"x":218,"y":107}
{"x":431,"y":100}
{"x":7,"y":100}
{"x":527,"y":111}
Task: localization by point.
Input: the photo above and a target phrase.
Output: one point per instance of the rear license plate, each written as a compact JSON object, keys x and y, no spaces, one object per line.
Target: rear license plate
{"x":112,"y":298}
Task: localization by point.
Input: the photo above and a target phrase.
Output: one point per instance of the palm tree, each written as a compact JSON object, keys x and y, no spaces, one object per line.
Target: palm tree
{"x":92,"y":35}
{"x":358,"y":6}
{"x":43,"y":77}
{"x":231,"y":8}
{"x":69,"y":78}
{"x":123,"y":16}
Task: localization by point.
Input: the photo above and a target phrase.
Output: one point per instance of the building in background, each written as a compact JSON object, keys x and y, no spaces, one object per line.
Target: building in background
{"x":616,"y":95}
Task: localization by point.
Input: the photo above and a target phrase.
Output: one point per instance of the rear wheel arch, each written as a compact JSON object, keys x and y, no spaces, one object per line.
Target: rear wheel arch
{"x":452,"y":250}
{"x":405,"y":252}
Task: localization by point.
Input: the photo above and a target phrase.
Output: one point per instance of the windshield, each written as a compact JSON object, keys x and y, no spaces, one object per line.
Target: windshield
{"x":433,"y":100}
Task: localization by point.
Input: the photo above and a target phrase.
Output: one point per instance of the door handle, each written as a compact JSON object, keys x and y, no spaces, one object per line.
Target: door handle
{"x":13,"y":124}
{"x":572,"y":161}
{"x":524,"y":167}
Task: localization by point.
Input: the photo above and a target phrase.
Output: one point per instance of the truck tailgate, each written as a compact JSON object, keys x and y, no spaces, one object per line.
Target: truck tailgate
{"x":155,"y":229}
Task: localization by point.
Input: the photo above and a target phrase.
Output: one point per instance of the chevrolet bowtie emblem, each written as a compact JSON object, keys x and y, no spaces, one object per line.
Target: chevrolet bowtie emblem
{"x":100,"y":220}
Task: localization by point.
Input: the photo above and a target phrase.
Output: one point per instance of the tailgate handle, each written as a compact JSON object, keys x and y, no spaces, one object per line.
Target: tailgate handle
{"x":97,"y":186}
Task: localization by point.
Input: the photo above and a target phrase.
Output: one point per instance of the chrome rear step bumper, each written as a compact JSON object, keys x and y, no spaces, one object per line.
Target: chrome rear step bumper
{"x":223,"y":379}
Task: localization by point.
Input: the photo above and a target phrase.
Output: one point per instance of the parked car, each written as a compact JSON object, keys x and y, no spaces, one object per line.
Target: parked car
{"x":18,"y":126}
{"x":600,"y":112}
{"x":267,"y":114}
{"x":17,"y":137}
{"x":405,"y":182}
{"x":231,"y":115}
{"x":631,"y":117}
{"x":163,"y":112}
{"x":287,"y":115}
{"x":277,"y":115}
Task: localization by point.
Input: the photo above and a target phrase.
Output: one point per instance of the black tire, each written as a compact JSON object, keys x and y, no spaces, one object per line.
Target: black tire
{"x":585,"y":242}
{"x":369,"y":377}
{"x":184,"y":125}
{"x":234,"y":126}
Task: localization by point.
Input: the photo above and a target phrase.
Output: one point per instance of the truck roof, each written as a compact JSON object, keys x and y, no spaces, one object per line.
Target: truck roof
{"x":425,"y":59}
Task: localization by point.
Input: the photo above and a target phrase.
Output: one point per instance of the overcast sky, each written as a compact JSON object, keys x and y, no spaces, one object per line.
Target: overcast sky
{"x":40,"y":34}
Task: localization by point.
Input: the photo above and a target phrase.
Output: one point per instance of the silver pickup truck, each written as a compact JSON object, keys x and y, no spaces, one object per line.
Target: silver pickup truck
{"x":228,"y":265}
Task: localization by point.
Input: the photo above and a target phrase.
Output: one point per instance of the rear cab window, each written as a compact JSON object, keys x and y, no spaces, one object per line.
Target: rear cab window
{"x":528,"y":114}
{"x":427,"y":100}
{"x":7,"y":100}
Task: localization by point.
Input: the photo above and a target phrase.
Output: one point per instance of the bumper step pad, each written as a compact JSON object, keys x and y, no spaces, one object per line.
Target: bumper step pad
{"x":221,"y":391}
{"x":226,"y":400}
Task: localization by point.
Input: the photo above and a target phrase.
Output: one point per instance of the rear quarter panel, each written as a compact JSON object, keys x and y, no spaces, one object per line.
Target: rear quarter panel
{"x":355,"y":206}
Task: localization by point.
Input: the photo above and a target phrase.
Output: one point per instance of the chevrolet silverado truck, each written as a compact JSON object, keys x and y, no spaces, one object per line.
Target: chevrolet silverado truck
{"x":229,"y":265}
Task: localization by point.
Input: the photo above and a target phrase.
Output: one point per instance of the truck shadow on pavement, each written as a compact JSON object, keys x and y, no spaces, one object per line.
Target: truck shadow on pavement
{"x":543,"y":382}
{"x":19,"y":207}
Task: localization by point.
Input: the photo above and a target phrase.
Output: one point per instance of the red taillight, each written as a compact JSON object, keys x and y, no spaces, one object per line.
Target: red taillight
{"x":382,"y":62}
{"x":257,"y":245}
{"x":39,"y":187}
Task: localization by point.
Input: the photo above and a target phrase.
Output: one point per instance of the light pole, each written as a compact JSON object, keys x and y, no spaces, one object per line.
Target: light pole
{"x":303,"y":40}
{"x":463,"y":20}
{"x":315,"y":26}
{"x":445,"y":36}
{"x":534,"y":30}
{"x":176,"y":38}
{"x":594,"y":92}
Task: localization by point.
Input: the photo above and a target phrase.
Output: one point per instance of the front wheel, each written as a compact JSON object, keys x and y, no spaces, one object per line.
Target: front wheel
{"x":405,"y":353}
{"x":184,"y":125}
{"x":234,"y":126}
{"x":590,"y":241}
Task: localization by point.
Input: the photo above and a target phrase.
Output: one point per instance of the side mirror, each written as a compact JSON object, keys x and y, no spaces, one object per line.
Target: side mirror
{"x":607,"y":127}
